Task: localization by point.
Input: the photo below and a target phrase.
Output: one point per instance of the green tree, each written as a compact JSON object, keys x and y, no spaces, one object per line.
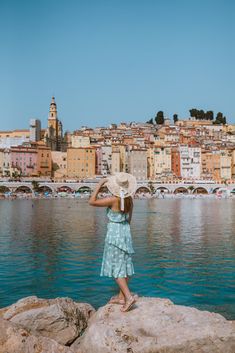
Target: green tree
{"x":151,"y":187}
{"x":159,"y":118}
{"x":191,"y":188}
{"x":220,"y":119}
{"x":35,"y":185}
{"x":150,"y":121}
{"x":209,"y":115}
{"x":175,"y":118}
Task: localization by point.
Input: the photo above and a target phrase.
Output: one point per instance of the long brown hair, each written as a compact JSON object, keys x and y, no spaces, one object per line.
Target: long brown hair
{"x":128,"y":202}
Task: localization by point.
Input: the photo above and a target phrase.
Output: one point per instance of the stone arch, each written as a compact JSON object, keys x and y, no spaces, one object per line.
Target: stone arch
{"x":181,"y":190}
{"x":4,"y":189}
{"x":214,"y":191}
{"x":65,"y":188}
{"x":44,"y":189}
{"x":24,"y":189}
{"x":84,"y":189}
{"x":162,"y":189}
{"x":200,"y":190}
{"x":143,"y":189}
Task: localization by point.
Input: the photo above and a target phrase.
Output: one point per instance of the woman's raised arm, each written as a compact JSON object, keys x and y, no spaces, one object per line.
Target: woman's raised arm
{"x":105,"y":202}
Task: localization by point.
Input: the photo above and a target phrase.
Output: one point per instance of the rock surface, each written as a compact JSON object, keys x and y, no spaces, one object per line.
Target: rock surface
{"x":61,"y":319}
{"x":156,"y":326}
{"x":14,"y":339}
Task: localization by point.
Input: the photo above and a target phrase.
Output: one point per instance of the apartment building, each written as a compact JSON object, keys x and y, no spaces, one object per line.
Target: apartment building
{"x":190,"y":162}
{"x":159,"y":162}
{"x":81,"y":162}
{"x":138,"y":163}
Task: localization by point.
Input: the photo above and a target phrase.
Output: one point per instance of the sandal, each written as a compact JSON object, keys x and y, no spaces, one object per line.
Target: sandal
{"x":128,"y":304}
{"x":116,"y":300}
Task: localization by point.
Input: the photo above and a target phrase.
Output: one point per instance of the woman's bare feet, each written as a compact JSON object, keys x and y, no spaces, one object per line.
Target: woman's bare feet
{"x":116,"y":300}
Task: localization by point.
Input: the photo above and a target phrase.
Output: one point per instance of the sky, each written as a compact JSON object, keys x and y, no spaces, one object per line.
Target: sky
{"x":109,"y":61}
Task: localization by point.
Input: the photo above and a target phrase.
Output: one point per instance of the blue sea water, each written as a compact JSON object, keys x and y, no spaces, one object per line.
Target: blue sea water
{"x":185,"y":251}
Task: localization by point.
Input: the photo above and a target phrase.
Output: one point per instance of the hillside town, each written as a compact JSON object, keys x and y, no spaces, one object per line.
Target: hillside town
{"x":186,"y":149}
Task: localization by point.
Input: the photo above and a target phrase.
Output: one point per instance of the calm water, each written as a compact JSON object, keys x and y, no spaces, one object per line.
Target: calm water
{"x":185,"y":251}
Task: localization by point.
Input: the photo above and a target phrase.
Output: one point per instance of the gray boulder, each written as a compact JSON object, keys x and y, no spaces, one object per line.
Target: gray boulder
{"x":60,"y":319}
{"x":156,"y":326}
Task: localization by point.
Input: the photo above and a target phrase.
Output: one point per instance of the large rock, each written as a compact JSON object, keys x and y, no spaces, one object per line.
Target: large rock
{"x":157,"y":326}
{"x":60,"y":319}
{"x":14,"y":339}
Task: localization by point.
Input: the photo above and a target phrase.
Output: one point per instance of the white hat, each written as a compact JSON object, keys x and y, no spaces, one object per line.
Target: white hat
{"x":122,"y":185}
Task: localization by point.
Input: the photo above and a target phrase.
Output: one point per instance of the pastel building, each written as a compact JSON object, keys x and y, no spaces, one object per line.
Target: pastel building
{"x":225,"y":165}
{"x":115,"y":160}
{"x":24,"y":160}
{"x":210,"y":165}
{"x":81,"y":162}
{"x":14,"y":138}
{"x":138,"y":163}
{"x":159,"y":162}
{"x":59,"y":164}
{"x":31,"y":160}
{"x":44,"y":161}
{"x":78,"y":140}
{"x":106,"y":160}
{"x":190,"y":162}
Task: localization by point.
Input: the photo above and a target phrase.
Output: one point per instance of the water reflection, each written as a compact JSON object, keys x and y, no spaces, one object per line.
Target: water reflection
{"x":183,"y":249}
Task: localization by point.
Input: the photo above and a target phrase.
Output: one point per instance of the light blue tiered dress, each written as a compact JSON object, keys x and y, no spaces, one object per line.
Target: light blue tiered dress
{"x":117,"y":260}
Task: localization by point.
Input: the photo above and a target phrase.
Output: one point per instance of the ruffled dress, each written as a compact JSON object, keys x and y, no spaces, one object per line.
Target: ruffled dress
{"x":117,"y":259}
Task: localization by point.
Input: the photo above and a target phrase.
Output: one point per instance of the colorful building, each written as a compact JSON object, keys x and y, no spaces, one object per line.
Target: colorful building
{"x":81,"y":162}
{"x":138,"y":163}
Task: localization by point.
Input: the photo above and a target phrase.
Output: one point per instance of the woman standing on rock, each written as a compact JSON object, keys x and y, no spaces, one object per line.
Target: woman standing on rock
{"x":117,"y":261}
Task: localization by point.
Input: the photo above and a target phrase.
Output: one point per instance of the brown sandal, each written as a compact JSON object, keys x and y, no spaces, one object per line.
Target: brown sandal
{"x":128,"y":304}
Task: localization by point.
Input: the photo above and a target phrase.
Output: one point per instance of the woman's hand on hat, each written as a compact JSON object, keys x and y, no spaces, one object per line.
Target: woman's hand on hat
{"x":102,"y":181}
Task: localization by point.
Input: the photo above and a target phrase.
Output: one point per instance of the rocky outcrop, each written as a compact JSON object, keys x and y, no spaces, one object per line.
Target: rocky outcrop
{"x":14,"y":339}
{"x":154,"y":325}
{"x":157,"y":326}
{"x":60,"y":319}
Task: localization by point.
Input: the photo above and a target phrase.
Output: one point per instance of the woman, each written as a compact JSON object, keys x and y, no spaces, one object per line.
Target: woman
{"x":117,"y":261}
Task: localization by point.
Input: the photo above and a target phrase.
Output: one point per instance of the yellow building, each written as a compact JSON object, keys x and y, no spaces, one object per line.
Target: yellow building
{"x":81,"y":162}
{"x":159,"y":161}
{"x":210,"y":165}
{"x":216,"y":165}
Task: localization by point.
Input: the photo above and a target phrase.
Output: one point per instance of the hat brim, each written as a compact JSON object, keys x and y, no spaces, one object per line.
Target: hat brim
{"x":114,"y":188}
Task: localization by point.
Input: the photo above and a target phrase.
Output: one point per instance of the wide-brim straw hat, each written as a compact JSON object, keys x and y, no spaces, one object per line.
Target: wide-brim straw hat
{"x":122,"y":184}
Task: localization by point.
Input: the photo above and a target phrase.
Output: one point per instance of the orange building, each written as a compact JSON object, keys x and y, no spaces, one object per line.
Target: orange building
{"x":211,"y":165}
{"x":175,"y":161}
{"x":44,"y":162}
{"x":81,"y":162}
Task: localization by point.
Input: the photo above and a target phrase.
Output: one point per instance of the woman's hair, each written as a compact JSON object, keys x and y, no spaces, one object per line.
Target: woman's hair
{"x":128,"y":202}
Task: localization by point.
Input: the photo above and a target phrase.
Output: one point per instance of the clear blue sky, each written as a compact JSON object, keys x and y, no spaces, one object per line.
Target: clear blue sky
{"x":110,"y":61}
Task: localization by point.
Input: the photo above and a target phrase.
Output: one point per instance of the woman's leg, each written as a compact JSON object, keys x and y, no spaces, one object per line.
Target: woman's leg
{"x":121,"y":296}
{"x":124,"y":289}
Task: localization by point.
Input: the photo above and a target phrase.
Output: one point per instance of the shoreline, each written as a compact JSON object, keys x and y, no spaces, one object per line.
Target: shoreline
{"x":166,"y":196}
